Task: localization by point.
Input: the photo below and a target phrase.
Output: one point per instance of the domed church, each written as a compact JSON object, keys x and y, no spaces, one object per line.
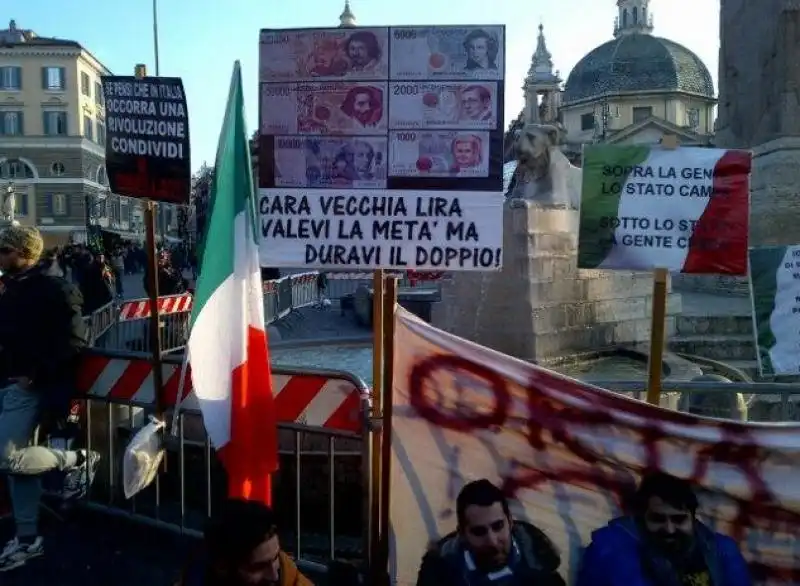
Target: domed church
{"x":632,"y":89}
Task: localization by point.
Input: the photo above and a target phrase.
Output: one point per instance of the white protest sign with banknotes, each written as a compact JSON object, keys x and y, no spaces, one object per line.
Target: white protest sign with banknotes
{"x":440,"y":153}
{"x":324,"y":108}
{"x":336,"y":162}
{"x":444,"y":105}
{"x":403,"y":127}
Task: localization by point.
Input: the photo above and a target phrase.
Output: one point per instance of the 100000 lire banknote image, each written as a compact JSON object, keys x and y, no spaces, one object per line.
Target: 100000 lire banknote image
{"x":447,"y":52}
{"x":337,"y":54}
{"x":443,"y":104}
{"x":349,"y":108}
{"x":358,"y":162}
{"x":439,"y":154}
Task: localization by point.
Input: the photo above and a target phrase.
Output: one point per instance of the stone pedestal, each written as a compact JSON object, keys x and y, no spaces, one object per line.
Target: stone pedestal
{"x":540,"y":307}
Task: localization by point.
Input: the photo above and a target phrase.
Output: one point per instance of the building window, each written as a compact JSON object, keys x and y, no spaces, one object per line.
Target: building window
{"x":55,"y":123}
{"x":102,"y":178}
{"x":10,"y":78}
{"x":21,"y":204}
{"x":693,"y":118}
{"x":88,"y":128}
{"x":587,"y":122}
{"x":16,"y":169}
{"x":98,"y":94}
{"x":86,"y":84}
{"x":59,"y":202}
{"x":12,"y":124}
{"x":54,"y":79}
{"x":101,"y":133}
{"x":57,"y":169}
{"x":642,"y":113}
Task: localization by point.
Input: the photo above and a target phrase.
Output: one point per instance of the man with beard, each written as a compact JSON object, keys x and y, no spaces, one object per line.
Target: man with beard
{"x":241,"y":548}
{"x":489,"y":548}
{"x":662,"y":544}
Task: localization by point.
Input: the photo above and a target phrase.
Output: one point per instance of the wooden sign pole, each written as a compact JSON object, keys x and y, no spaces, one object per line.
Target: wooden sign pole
{"x":658,"y":316}
{"x":378,"y":280}
{"x":152,"y":285}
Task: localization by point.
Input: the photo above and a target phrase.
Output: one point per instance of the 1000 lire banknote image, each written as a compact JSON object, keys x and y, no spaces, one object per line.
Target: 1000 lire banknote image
{"x":449,"y":52}
{"x":332,"y":54}
{"x":349,"y":108}
{"x":333,"y":162}
{"x":428,"y":105}
{"x":439,"y":153}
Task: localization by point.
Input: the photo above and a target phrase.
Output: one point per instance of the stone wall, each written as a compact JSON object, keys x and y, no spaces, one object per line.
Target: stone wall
{"x":540,"y":306}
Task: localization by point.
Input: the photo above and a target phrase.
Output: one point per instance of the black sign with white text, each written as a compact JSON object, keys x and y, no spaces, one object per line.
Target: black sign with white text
{"x":147,"y":138}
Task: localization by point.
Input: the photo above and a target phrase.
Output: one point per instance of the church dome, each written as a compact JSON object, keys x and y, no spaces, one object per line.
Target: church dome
{"x":638,"y":63}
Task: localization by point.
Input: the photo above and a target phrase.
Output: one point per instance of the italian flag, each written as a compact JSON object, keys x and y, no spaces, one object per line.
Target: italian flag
{"x":227,"y":341}
{"x":683,"y":209}
{"x":775,"y":291}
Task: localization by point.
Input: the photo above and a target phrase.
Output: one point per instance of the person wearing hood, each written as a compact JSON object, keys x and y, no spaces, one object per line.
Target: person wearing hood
{"x":489,"y":548}
{"x":662,"y":544}
{"x":241,"y":548}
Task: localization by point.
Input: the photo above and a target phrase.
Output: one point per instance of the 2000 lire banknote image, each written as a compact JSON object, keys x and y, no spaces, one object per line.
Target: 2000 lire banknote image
{"x":428,"y":105}
{"x":439,"y":153}
{"x":324,"y":108}
{"x":448,"y":52}
{"x":330,"y":162}
{"x":335,"y":54}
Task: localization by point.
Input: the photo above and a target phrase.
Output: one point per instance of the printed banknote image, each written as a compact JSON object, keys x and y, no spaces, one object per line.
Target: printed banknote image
{"x":330,"y":162}
{"x":451,"y":52}
{"x":324,"y":108}
{"x":439,"y":154}
{"x":323,"y":54}
{"x":443,"y":104}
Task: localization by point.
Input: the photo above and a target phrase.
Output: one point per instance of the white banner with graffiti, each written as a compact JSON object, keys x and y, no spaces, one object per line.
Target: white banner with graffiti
{"x":567,"y":452}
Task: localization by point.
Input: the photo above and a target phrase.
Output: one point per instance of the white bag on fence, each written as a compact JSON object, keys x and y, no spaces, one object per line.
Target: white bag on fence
{"x":143,"y":457}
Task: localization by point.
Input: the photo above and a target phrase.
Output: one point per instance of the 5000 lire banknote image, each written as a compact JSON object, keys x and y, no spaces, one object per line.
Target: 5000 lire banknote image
{"x":334,"y":54}
{"x":349,"y":108}
{"x":439,"y":154}
{"x":429,"y":105}
{"x":330,"y":162}
{"x":449,"y":52}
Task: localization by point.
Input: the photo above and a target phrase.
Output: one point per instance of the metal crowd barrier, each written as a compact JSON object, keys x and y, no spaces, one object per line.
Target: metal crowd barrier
{"x":287,"y":294}
{"x":325,"y":519}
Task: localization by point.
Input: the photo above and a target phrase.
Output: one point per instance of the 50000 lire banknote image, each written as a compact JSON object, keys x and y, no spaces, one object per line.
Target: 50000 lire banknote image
{"x":439,"y":154}
{"x":330,"y":162}
{"x":349,"y":108}
{"x":335,"y":54}
{"x":448,"y":52}
{"x":430,"y":105}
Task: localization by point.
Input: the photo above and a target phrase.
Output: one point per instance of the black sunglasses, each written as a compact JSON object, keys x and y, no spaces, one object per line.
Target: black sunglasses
{"x":6,"y":250}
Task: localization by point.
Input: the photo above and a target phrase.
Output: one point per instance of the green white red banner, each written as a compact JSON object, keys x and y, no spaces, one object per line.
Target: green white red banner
{"x":685,"y":209}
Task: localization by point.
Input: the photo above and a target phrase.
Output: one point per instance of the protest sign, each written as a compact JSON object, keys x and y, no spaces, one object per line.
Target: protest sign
{"x":567,"y":454}
{"x":147,"y":138}
{"x":411,"y":115}
{"x":373,"y":229}
{"x":775,"y":292}
{"x":685,"y":210}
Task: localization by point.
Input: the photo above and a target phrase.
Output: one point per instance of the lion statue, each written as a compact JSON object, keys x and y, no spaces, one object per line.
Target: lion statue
{"x":543,"y":173}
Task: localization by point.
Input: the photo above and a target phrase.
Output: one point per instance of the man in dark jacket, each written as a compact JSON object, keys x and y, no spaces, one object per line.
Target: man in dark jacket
{"x":41,"y":335}
{"x":489,"y":548}
{"x":662,"y":544}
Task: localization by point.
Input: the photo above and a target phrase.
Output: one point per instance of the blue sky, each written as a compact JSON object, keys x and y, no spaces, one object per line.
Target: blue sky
{"x":200,"y":39}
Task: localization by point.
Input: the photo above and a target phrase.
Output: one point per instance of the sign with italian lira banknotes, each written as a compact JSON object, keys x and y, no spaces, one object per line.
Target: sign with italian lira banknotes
{"x":382,"y":147}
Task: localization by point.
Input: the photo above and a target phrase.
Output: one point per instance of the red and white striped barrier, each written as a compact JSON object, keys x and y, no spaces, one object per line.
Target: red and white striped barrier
{"x":140,"y":308}
{"x":307,"y":399}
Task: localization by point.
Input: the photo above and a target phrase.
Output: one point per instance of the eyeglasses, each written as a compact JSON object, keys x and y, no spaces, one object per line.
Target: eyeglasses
{"x":6,"y":250}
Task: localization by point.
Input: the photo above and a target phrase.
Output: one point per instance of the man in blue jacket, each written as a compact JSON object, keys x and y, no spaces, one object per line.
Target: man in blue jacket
{"x":662,"y":544}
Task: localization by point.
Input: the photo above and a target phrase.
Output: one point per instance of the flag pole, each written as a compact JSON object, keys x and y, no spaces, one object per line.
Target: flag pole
{"x":389,"y":305}
{"x":378,"y":281}
{"x":140,"y":71}
{"x":658,"y":317}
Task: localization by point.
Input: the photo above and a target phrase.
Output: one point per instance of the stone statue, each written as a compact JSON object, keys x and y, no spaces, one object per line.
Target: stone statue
{"x":544,"y":175}
{"x":9,"y":203}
